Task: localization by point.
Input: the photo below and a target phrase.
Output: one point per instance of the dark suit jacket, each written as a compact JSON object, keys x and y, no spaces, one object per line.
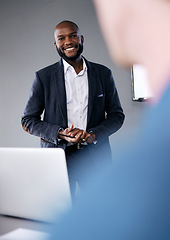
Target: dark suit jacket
{"x":48,"y":99}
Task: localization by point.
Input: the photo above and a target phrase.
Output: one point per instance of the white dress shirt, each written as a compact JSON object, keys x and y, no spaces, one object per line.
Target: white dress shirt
{"x":76,"y":95}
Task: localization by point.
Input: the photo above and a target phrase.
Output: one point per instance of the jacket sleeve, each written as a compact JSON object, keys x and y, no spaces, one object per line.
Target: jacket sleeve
{"x":114,"y":116}
{"x":32,"y":118}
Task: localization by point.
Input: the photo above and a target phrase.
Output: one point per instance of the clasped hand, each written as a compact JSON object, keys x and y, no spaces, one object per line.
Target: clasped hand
{"x":76,"y":135}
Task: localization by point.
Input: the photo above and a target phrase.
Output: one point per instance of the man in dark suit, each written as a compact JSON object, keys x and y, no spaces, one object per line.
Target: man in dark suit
{"x":80,"y":104}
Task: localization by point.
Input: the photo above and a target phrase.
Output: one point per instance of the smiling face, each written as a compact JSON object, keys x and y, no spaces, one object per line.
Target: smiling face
{"x":68,"y":41}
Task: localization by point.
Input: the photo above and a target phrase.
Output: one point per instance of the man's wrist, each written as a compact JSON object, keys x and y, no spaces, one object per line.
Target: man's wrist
{"x":93,"y":136}
{"x":60,"y":130}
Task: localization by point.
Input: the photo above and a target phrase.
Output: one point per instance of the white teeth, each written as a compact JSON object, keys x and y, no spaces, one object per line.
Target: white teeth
{"x":69,"y":49}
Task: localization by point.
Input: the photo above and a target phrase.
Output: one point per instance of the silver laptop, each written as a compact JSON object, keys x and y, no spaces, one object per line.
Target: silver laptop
{"x":34,"y":183}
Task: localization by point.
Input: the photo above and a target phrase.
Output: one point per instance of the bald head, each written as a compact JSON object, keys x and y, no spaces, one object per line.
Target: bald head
{"x":137,"y":31}
{"x":66,"y":23}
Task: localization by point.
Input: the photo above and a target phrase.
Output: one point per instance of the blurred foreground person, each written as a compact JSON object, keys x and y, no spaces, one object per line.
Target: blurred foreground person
{"x":132,"y":200}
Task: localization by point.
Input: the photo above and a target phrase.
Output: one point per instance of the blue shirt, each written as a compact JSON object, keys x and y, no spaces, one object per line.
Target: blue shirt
{"x":131,"y":201}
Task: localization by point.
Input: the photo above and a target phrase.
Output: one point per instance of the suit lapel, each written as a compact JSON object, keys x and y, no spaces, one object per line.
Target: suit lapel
{"x":92,"y":89}
{"x":61,"y":91}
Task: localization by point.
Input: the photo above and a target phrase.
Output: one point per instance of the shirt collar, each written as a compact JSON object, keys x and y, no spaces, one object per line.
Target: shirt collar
{"x":68,"y":66}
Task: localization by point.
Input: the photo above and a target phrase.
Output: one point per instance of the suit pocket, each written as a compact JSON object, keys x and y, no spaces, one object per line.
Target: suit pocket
{"x":100,"y":95}
{"x":98,"y":111}
{"x":99,"y":98}
{"x":99,"y":104}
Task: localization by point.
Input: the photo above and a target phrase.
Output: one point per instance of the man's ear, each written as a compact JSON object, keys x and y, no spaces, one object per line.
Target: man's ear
{"x":55,"y":43}
{"x":82,"y":39}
